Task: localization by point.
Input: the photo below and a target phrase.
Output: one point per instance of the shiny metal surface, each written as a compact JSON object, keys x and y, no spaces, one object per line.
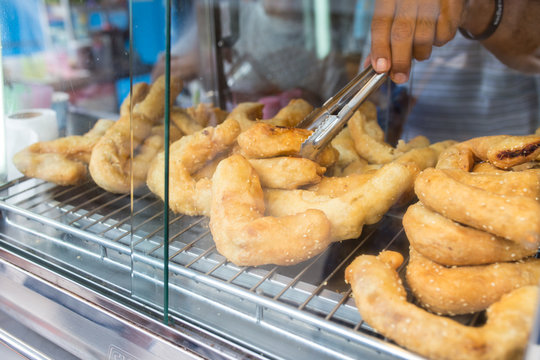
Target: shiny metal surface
{"x":87,"y":325}
{"x":87,"y":239}
{"x":328,"y":121}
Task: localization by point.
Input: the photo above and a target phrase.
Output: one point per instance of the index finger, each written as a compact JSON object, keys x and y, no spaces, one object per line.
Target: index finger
{"x":402,"y":39}
{"x":381,"y":25}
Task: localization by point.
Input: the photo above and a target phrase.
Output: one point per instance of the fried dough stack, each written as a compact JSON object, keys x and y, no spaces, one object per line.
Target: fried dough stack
{"x":266,"y":204}
{"x":472,"y":238}
{"x":381,"y":299}
{"x":472,"y":233}
{"x":106,"y":149}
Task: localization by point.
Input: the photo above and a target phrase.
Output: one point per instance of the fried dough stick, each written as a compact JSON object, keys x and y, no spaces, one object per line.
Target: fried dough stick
{"x":369,"y":140}
{"x":381,"y":300}
{"x":287,"y":172}
{"x":62,"y":161}
{"x":248,"y":238}
{"x":246,"y":114}
{"x":516,"y":218}
{"x":368,"y":198}
{"x":502,"y":151}
{"x":450,"y":243}
{"x":264,"y":140}
{"x":138,"y":93}
{"x":194,"y":119}
{"x":466,"y":289}
{"x":111,"y":165}
{"x":189,"y":154}
{"x":290,"y":115}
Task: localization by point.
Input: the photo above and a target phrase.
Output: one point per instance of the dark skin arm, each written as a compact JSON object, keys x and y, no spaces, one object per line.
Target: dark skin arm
{"x":403,"y":30}
{"x":516,"y":43}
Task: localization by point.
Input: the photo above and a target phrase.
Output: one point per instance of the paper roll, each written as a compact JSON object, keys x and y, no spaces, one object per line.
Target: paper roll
{"x":26,"y":127}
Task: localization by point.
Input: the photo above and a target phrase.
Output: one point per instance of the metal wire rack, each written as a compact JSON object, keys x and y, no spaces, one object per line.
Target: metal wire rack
{"x":117,"y":241}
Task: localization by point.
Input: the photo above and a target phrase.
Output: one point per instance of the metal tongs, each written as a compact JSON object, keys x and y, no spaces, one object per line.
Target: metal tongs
{"x":324,"y":121}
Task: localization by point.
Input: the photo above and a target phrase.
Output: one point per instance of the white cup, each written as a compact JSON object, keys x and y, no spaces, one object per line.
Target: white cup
{"x":25,"y":127}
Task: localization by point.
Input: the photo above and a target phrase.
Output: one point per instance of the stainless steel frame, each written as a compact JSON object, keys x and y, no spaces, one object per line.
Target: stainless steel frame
{"x":86,"y":240}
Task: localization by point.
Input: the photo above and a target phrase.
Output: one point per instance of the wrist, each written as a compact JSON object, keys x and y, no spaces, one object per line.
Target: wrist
{"x":478,"y":16}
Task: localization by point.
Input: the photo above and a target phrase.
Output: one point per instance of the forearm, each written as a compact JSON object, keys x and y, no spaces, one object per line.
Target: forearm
{"x":516,"y":42}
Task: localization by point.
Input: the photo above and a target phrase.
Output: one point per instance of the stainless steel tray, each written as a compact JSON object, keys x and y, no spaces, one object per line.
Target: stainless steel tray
{"x":115,"y":243}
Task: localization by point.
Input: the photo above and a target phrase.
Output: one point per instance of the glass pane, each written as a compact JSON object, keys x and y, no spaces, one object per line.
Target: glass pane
{"x":64,"y":66}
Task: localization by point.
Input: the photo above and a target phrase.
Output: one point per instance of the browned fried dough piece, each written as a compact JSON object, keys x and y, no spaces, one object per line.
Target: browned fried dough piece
{"x":369,"y":139}
{"x":368,"y":197}
{"x":62,"y":161}
{"x":502,"y":151}
{"x":138,"y":93}
{"x":344,"y":144}
{"x":466,"y":289}
{"x":289,"y":116}
{"x":485,"y":167}
{"x":248,"y":238}
{"x":505,"y":151}
{"x":206,"y":115}
{"x":456,"y":157}
{"x":381,"y":300}
{"x":246,"y":114}
{"x":337,"y":186}
{"x":516,"y":218}
{"x":264,"y":140}
{"x":287,"y":172}
{"x":350,"y":211}
{"x":111,"y":165}
{"x":183,"y":121}
{"x":513,"y":183}
{"x":188,"y":195}
{"x":449,"y":243}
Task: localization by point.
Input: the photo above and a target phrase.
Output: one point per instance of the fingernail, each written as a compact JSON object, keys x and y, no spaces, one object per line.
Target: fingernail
{"x":400,"y":78}
{"x":381,"y":65}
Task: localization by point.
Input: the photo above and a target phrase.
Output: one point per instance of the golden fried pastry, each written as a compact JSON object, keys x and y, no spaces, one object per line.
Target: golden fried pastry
{"x":502,"y":151}
{"x":381,"y":300}
{"x":174,"y":132}
{"x":449,"y":243}
{"x":337,"y":186}
{"x":246,"y":114}
{"x":207,"y":171}
{"x":466,"y":289}
{"x":111,"y":164}
{"x":356,"y":200}
{"x":456,"y":157}
{"x":191,"y":153}
{"x":183,"y":121}
{"x":263,"y":140}
{"x":289,"y":116}
{"x":369,"y":139}
{"x":206,"y":115}
{"x":516,"y":218}
{"x":61,"y":161}
{"x":348,"y":212}
{"x":417,"y":142}
{"x":287,"y":172}
{"x":505,"y":151}
{"x":356,"y":167}
{"x":484,"y":166}
{"x":344,"y":144}
{"x":514,"y":183}
{"x":138,"y":93}
{"x":242,"y":232}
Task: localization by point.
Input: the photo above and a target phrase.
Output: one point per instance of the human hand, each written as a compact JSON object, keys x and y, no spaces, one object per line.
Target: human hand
{"x":405,"y":29}
{"x":184,"y":66}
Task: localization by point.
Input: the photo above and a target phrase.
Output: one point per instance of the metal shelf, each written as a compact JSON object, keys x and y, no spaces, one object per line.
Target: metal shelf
{"x":117,"y":241}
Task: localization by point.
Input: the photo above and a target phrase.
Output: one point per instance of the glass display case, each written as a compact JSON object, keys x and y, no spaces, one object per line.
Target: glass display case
{"x":100,"y":257}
